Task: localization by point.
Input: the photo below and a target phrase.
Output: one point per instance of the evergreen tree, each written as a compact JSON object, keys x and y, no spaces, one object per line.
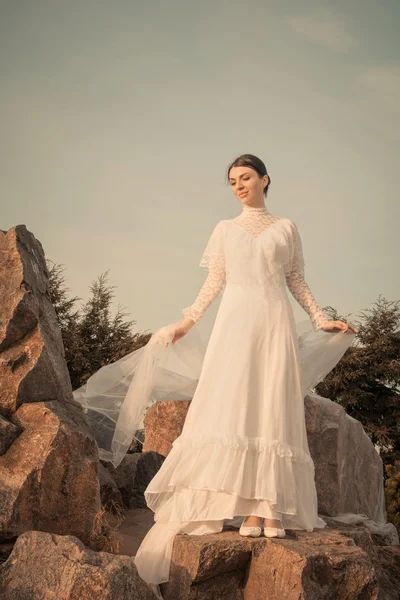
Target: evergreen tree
{"x":366,"y":381}
{"x":104,"y":338}
{"x":92,"y":337}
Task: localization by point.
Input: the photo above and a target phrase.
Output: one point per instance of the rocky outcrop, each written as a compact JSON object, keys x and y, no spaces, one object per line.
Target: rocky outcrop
{"x":49,"y":475}
{"x":348,"y":469}
{"x":48,"y":566}
{"x":48,"y":455}
{"x":335,"y":562}
{"x":32,"y":365}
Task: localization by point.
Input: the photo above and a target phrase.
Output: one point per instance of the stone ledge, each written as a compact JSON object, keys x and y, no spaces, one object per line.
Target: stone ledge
{"x":326,"y":563}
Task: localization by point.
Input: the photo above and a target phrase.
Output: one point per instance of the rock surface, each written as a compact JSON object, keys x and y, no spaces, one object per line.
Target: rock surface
{"x":32,"y":365}
{"x":48,"y":455}
{"x":50,"y":567}
{"x":324,"y":564}
{"x":389,"y":560}
{"x":348,"y":469}
{"x":163,"y":423}
{"x":49,"y":475}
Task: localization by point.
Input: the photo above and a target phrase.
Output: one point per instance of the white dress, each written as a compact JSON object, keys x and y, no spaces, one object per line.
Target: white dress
{"x":243,"y":449}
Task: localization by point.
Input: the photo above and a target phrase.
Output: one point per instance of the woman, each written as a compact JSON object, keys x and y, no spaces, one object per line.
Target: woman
{"x":243,"y":449}
{"x":268,"y":328}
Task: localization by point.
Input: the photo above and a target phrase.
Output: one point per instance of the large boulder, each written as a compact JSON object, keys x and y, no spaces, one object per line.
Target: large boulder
{"x":48,"y":566}
{"x":48,"y":454}
{"x":208,"y":566}
{"x":49,"y":475}
{"x":338,"y":562}
{"x":32,"y":365}
{"x":348,"y":469}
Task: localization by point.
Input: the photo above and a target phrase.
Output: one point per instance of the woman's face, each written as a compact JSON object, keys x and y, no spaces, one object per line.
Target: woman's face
{"x":247,"y":185}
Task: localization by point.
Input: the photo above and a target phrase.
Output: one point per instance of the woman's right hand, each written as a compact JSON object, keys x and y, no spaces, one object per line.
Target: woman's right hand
{"x":182,"y":329}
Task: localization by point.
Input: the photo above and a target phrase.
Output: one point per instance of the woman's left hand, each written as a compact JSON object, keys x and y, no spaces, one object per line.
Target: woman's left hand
{"x":339,"y":325}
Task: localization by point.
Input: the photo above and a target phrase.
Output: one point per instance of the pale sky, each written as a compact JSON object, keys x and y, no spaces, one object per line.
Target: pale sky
{"x":119,"y":120}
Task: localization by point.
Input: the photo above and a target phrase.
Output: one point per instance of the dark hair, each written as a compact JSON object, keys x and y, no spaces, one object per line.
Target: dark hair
{"x":249,"y":160}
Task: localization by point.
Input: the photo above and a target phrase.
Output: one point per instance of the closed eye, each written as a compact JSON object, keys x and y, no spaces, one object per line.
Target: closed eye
{"x":244,"y":178}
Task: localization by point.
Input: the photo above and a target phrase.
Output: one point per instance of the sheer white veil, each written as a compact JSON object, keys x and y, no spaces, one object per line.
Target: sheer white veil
{"x":116,"y":397}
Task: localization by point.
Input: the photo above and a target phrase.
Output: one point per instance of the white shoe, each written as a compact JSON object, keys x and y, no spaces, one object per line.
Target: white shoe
{"x":249,"y":531}
{"x":274,"y":532}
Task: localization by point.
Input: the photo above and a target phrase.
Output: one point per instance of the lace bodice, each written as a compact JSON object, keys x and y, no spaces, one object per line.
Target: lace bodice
{"x":254,"y":221}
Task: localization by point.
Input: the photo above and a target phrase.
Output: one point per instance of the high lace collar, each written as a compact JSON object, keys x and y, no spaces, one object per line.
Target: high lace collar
{"x":254,"y":210}
{"x":255,"y":219}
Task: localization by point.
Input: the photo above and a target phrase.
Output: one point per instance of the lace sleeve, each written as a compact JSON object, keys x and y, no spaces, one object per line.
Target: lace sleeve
{"x":294,"y":273}
{"x":214,"y":260}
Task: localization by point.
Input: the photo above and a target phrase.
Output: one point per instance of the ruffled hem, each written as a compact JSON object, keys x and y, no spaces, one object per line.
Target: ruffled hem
{"x":201,"y":505}
{"x":250,"y":468}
